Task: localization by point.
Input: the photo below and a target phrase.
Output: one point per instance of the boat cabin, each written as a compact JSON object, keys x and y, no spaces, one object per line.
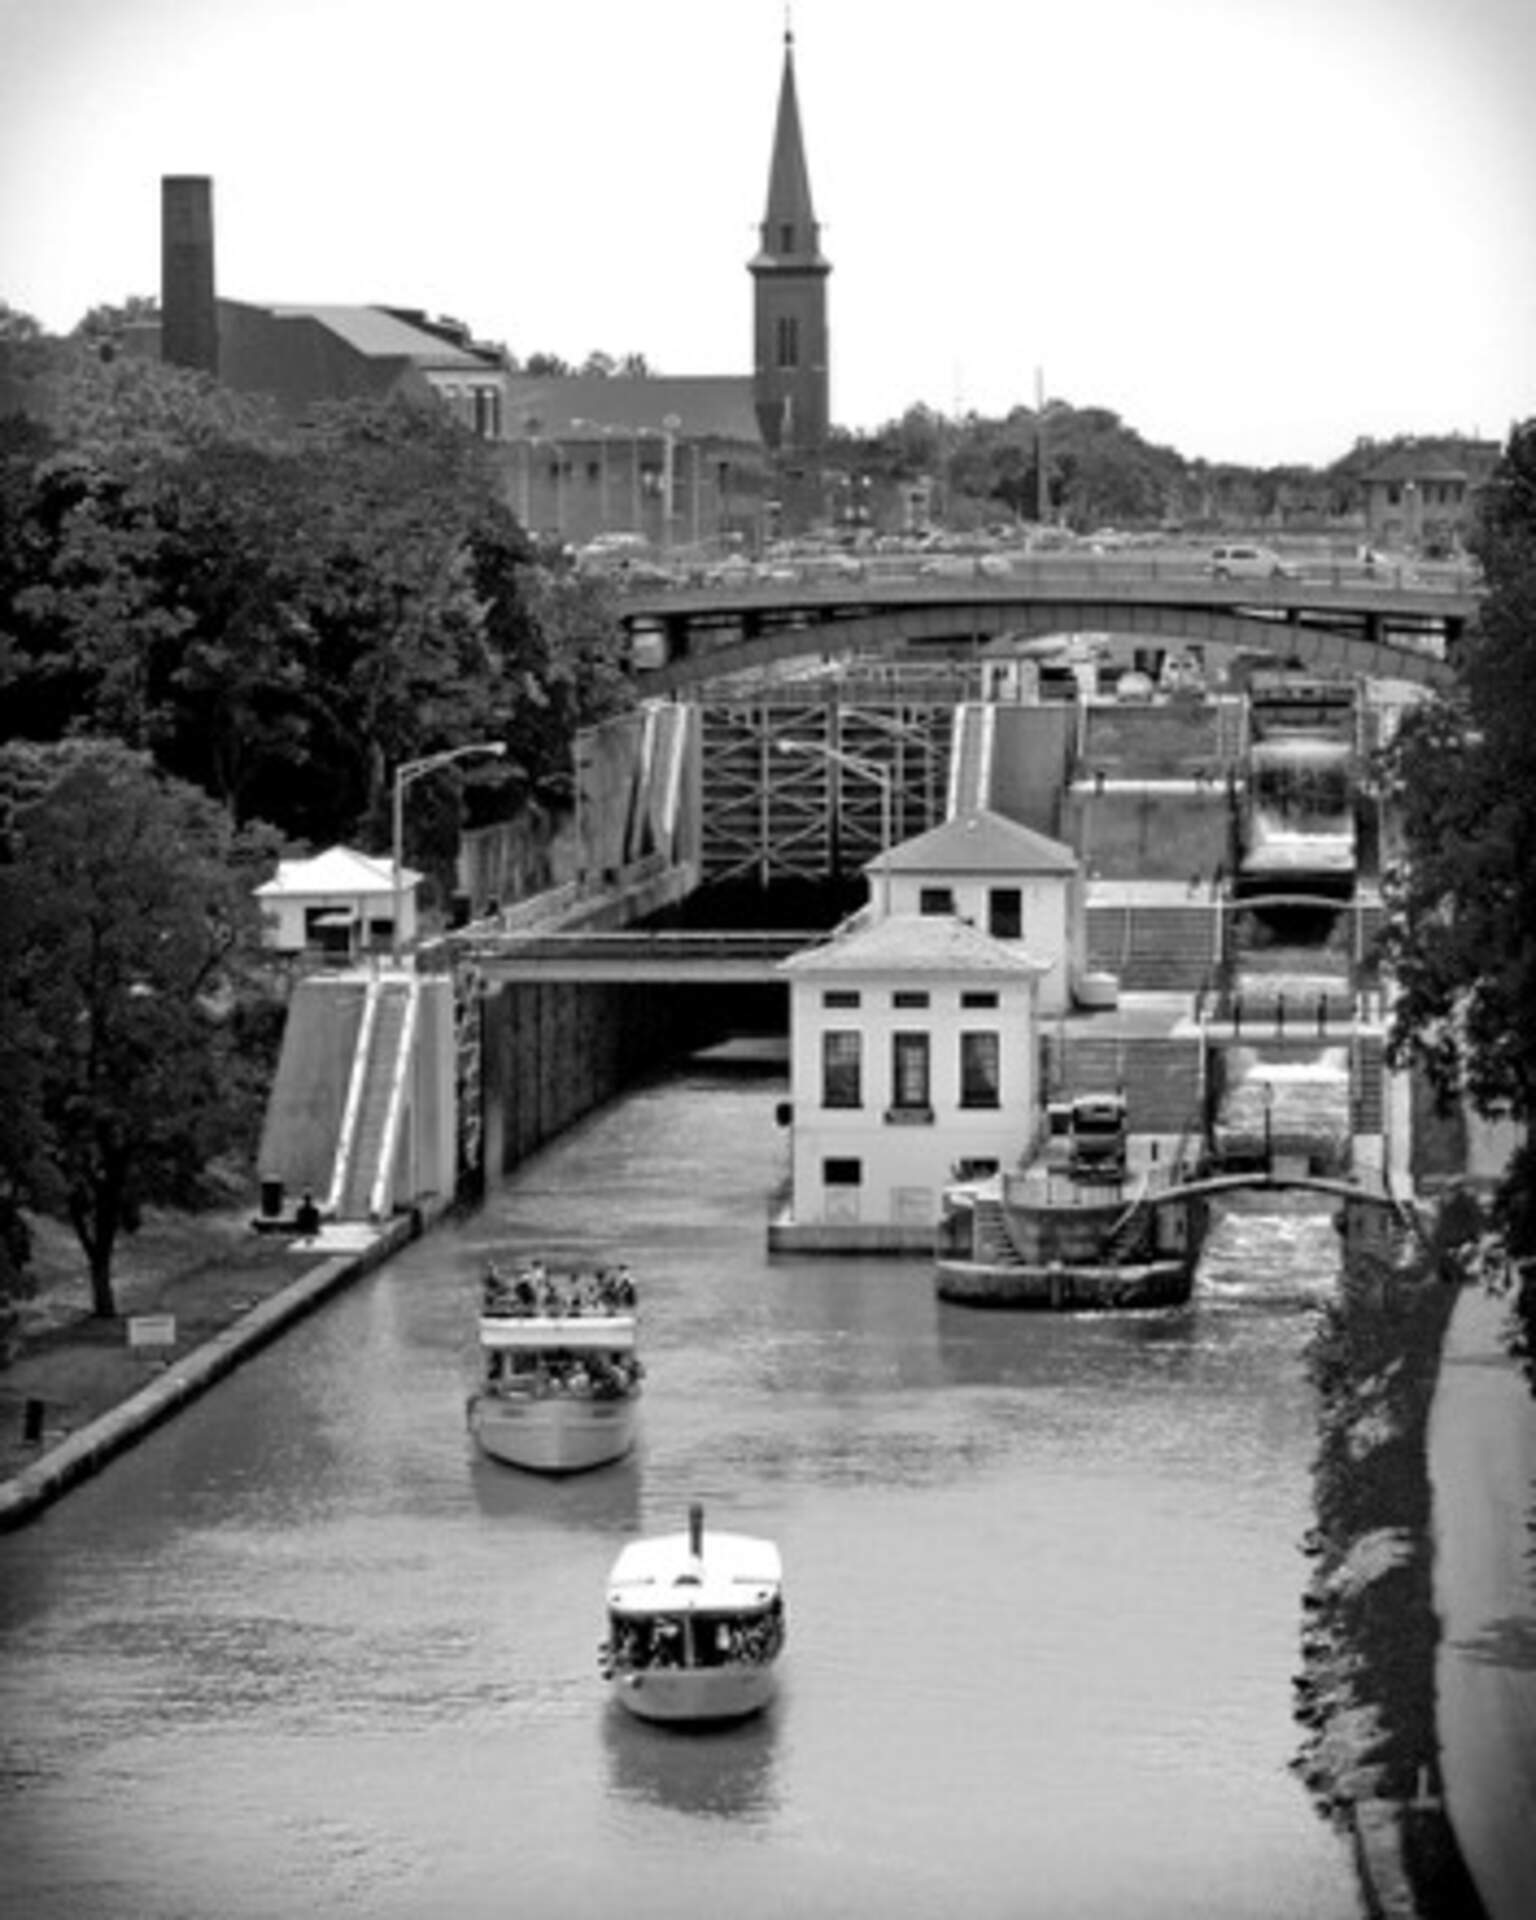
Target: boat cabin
{"x":590,"y":1355}
{"x":671,"y":1605}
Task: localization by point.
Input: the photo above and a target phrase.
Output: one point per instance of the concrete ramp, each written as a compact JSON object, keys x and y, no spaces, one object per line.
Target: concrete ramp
{"x":361,"y":1183}
{"x":970,"y":759}
{"x":309,"y":1093}
{"x":1029,"y":762}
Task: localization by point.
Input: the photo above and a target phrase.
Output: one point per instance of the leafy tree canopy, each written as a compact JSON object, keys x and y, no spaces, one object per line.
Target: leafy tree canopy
{"x":280,"y":616}
{"x":127,"y":927}
{"x":1462,"y":778}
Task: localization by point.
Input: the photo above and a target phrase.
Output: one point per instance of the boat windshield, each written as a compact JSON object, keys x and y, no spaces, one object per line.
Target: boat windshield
{"x":638,"y":1642}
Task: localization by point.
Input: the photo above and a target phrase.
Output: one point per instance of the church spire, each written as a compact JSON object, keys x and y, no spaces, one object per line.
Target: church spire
{"x":791,"y":347}
{"x":789,"y":234}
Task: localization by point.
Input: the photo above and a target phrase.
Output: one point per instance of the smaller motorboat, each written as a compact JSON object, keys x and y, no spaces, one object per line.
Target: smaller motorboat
{"x":695,"y":1625}
{"x":561,"y":1380}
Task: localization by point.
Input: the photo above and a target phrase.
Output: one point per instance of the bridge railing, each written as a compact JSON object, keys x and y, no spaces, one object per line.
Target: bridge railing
{"x":940,"y":572}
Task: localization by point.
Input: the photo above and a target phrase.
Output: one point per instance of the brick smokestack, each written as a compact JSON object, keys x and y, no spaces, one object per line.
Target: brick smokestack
{"x":189,"y":319}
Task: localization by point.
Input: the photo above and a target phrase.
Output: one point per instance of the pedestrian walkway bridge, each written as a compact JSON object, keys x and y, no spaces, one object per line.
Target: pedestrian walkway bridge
{"x":671,"y":958}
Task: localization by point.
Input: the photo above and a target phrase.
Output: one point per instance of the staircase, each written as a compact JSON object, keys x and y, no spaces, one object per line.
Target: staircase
{"x":380,"y":1071}
{"x":1108,"y":938}
{"x":992,"y":1240}
{"x":1128,"y":1241}
{"x":1153,"y":949}
{"x":1171,"y":949}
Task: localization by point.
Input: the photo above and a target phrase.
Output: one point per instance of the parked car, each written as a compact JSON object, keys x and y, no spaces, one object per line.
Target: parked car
{"x":1250,"y":563}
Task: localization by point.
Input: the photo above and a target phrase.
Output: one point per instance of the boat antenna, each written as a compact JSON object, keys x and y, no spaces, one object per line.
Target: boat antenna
{"x":696,"y":1531}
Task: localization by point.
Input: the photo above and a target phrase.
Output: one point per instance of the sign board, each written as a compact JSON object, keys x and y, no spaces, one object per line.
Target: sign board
{"x":151,"y":1330}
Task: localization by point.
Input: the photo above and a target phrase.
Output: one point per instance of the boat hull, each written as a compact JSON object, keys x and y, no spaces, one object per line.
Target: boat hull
{"x":1013,"y":1245}
{"x":553,"y":1433}
{"x":695,"y":1695}
{"x":1065,"y":1289}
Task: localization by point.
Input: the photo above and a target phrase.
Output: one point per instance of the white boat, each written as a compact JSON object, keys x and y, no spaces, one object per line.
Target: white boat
{"x":561,"y":1380}
{"x":695,"y":1625}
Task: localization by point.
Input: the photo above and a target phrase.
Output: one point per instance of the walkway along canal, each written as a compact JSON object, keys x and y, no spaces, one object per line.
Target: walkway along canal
{"x":305,"y":1646}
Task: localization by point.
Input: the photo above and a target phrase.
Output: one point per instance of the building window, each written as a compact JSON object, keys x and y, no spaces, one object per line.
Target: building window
{"x":909,"y":1073}
{"x":788,"y":340}
{"x":841,"y":1062}
{"x":840,"y":997}
{"x":909,"y":997}
{"x":842,"y":1173}
{"x":978,"y":998}
{"x":786,"y":236}
{"x":980,"y":1070}
{"x":1005,"y":915}
{"x":935,"y":900}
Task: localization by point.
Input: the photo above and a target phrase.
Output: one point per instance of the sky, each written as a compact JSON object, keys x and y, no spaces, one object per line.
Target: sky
{"x":1255,"y":229}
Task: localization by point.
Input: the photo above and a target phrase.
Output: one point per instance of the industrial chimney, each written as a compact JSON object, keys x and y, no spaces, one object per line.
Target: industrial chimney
{"x":189,"y":318}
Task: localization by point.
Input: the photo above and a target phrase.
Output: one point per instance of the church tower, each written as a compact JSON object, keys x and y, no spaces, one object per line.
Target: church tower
{"x":789,"y":272}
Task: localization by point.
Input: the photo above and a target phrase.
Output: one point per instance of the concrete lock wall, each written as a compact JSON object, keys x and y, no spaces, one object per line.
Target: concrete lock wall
{"x":1140,"y":833}
{"x":555,"y":1050}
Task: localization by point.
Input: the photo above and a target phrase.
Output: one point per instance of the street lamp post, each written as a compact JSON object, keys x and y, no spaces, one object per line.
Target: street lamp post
{"x":669,"y":427}
{"x":870,"y":770}
{"x":406,"y":774}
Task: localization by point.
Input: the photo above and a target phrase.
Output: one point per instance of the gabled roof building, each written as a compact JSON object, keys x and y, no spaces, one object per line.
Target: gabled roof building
{"x":683,"y":460}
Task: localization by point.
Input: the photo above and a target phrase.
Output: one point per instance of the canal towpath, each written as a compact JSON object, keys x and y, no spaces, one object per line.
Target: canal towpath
{"x":1482,"y":1468}
{"x":79,"y":1390}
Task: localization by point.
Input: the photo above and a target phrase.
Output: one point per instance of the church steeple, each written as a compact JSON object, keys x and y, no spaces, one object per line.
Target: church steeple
{"x":789,"y":232}
{"x":789,"y":272}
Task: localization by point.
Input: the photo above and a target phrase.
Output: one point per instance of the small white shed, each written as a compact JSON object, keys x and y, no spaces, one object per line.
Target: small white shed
{"x":340,"y":903}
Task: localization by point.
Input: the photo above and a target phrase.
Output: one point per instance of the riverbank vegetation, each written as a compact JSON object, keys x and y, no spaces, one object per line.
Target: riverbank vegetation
{"x":1365,"y":1694}
{"x":1461,"y":935}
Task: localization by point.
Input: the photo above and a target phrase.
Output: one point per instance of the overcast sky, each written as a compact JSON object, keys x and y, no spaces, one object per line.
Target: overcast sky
{"x":1256,"y":229}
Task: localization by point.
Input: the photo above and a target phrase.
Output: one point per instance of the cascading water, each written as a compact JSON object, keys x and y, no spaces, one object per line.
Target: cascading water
{"x":1296,"y":1106}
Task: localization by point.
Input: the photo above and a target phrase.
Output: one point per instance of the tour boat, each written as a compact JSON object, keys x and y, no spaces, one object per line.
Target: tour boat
{"x":695,"y":1625}
{"x":1074,"y":1229}
{"x":561,"y":1380}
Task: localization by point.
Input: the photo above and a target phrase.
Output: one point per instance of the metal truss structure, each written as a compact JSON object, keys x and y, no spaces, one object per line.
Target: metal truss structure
{"x":795,"y":781}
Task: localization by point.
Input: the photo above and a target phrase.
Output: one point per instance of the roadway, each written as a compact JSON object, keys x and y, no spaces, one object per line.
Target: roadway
{"x":1395,"y":622}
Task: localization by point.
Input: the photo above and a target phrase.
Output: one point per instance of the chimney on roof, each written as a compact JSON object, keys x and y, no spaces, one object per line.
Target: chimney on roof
{"x":189,"y":318}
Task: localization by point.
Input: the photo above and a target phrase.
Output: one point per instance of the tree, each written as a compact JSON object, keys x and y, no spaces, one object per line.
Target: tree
{"x":126,"y":929}
{"x":106,"y":323}
{"x":1462,"y":780}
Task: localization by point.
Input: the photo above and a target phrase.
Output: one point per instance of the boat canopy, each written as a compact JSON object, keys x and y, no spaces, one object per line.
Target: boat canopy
{"x":735,"y":1573}
{"x":584,"y":1333}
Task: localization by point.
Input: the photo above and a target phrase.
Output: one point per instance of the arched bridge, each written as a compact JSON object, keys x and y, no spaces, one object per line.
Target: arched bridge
{"x":1342,"y":619}
{"x":1276,"y":1179}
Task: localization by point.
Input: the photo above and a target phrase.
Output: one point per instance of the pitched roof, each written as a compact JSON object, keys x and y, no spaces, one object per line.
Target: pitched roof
{"x":979,"y":842}
{"x":1422,"y":460}
{"x":339,"y":871}
{"x":379,"y":334}
{"x":936,"y":944}
{"x":708,"y":406}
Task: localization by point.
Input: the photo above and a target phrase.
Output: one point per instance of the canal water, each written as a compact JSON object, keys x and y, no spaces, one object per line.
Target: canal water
{"x":303,"y":1652}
